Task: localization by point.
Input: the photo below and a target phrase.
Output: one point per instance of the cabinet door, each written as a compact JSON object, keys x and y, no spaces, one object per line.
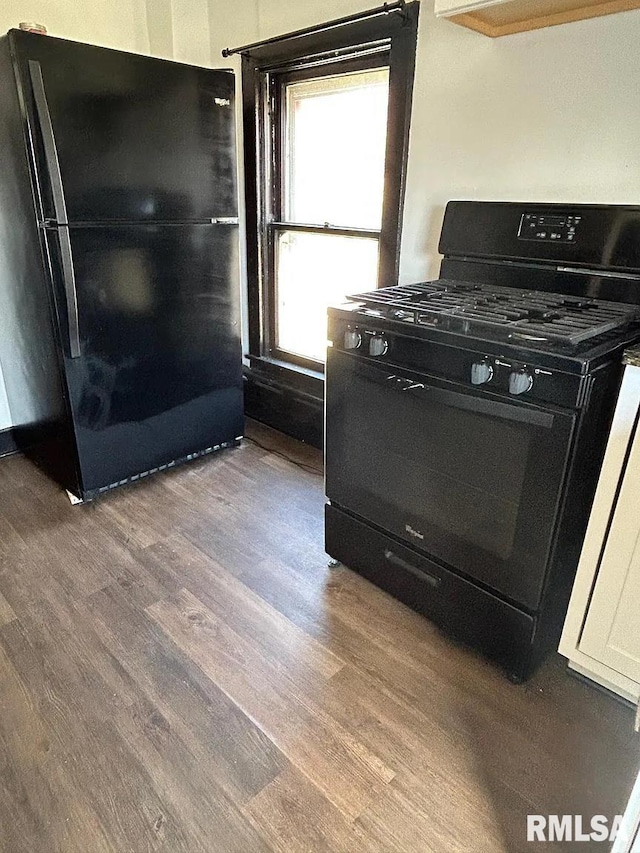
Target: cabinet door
{"x":611,"y":633}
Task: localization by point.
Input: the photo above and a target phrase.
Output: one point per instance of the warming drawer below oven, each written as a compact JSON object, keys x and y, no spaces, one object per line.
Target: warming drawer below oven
{"x":467,"y":612}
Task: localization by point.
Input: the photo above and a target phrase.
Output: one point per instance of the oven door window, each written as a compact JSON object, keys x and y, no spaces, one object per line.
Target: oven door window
{"x":470,"y":478}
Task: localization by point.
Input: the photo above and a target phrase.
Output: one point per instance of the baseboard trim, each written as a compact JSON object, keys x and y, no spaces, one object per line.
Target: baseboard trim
{"x":8,"y":444}
{"x":285,"y":409}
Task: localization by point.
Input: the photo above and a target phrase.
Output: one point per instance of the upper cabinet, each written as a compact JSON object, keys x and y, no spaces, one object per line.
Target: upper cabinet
{"x":502,"y":17}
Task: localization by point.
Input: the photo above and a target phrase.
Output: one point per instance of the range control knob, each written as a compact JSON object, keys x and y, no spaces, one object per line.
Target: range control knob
{"x":352,"y":338}
{"x":520,"y":381}
{"x":481,"y":372}
{"x":378,"y":345}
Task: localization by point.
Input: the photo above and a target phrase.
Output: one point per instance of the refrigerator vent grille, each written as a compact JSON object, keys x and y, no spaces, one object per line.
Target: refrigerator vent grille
{"x":172,"y":464}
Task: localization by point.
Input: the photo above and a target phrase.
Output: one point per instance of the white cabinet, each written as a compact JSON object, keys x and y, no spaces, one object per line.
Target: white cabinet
{"x":601,"y":635}
{"x":611,"y":632}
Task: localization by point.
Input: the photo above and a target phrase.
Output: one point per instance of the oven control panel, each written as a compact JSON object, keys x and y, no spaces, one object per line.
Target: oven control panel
{"x":516,"y":378}
{"x":482,"y":372}
{"x":512,"y":378}
{"x":371,"y":343}
{"x":549,"y":227}
{"x":520,"y":379}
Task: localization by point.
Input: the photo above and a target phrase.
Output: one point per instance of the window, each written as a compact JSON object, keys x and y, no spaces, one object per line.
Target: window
{"x":322,"y":236}
{"x":326,"y":125}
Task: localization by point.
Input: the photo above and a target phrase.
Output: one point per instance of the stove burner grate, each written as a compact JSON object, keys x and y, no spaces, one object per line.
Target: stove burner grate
{"x":527,"y":314}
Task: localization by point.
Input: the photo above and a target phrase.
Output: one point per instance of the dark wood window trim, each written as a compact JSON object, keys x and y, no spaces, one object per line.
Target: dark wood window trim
{"x":371,"y":42}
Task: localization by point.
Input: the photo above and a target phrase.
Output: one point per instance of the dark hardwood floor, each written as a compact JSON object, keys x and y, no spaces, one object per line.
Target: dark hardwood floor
{"x":180,"y":671}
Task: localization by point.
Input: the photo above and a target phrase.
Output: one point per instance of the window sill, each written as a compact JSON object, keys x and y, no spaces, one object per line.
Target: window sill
{"x":309,"y":383}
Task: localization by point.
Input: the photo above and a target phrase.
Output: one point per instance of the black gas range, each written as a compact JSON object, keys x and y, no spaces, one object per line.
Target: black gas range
{"x":466,"y":418}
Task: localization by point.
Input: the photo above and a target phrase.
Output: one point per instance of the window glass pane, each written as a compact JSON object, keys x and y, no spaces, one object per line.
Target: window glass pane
{"x":334,"y":148}
{"x":314,"y":271}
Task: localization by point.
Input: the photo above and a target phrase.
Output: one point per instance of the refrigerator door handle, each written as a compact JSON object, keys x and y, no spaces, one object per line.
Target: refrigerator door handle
{"x":57,"y":190}
{"x":48,"y":140}
{"x":225,"y":220}
{"x":70,"y":293}
{"x":61,"y":232}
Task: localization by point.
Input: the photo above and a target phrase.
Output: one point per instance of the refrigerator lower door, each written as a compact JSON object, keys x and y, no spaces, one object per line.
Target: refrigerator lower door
{"x":155,"y":373}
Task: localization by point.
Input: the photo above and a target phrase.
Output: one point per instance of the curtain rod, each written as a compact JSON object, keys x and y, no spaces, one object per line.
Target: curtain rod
{"x":396,"y":6}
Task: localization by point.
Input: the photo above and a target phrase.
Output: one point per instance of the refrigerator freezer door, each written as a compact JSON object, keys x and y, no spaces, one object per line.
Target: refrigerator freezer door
{"x":159,"y":374}
{"x":136,"y":138}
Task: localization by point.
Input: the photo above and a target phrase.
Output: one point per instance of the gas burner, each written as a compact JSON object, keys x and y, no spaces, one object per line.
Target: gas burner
{"x":497,"y":312}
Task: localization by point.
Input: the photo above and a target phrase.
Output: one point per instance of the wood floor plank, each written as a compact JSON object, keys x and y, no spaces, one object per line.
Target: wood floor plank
{"x":346,"y":772}
{"x":40,"y":811}
{"x":7,"y":613}
{"x":213,"y":820}
{"x":79,"y":712}
{"x":434,"y":824}
{"x":28,"y":586}
{"x":229,"y":751}
{"x":295,"y":818}
{"x":10,"y":540}
{"x":282,"y":642}
{"x":183,"y":756}
{"x":133,"y":513}
{"x":22,"y":740}
{"x":14,"y":471}
{"x":64,"y":539}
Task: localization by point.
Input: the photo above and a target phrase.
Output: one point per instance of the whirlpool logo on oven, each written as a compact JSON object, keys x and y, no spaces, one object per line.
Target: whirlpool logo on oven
{"x":412,"y":532}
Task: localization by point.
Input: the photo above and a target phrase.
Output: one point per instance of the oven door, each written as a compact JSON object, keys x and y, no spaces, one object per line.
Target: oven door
{"x":470,"y":478}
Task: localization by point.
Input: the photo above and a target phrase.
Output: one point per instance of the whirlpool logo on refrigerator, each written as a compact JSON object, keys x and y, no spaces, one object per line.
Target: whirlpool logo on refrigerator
{"x":412,"y":532}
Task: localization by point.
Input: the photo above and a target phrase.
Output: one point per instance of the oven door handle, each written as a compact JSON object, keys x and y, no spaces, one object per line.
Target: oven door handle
{"x":471,"y":402}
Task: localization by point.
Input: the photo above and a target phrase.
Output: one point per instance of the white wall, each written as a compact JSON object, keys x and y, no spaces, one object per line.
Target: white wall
{"x":111,"y":23}
{"x":159,"y":21}
{"x":191,"y":19}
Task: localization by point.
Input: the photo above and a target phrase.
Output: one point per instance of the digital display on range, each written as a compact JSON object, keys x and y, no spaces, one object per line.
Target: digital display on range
{"x":549,"y":227}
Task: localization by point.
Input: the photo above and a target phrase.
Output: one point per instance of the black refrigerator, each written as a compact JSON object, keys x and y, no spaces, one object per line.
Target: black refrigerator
{"x":119,"y":294}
